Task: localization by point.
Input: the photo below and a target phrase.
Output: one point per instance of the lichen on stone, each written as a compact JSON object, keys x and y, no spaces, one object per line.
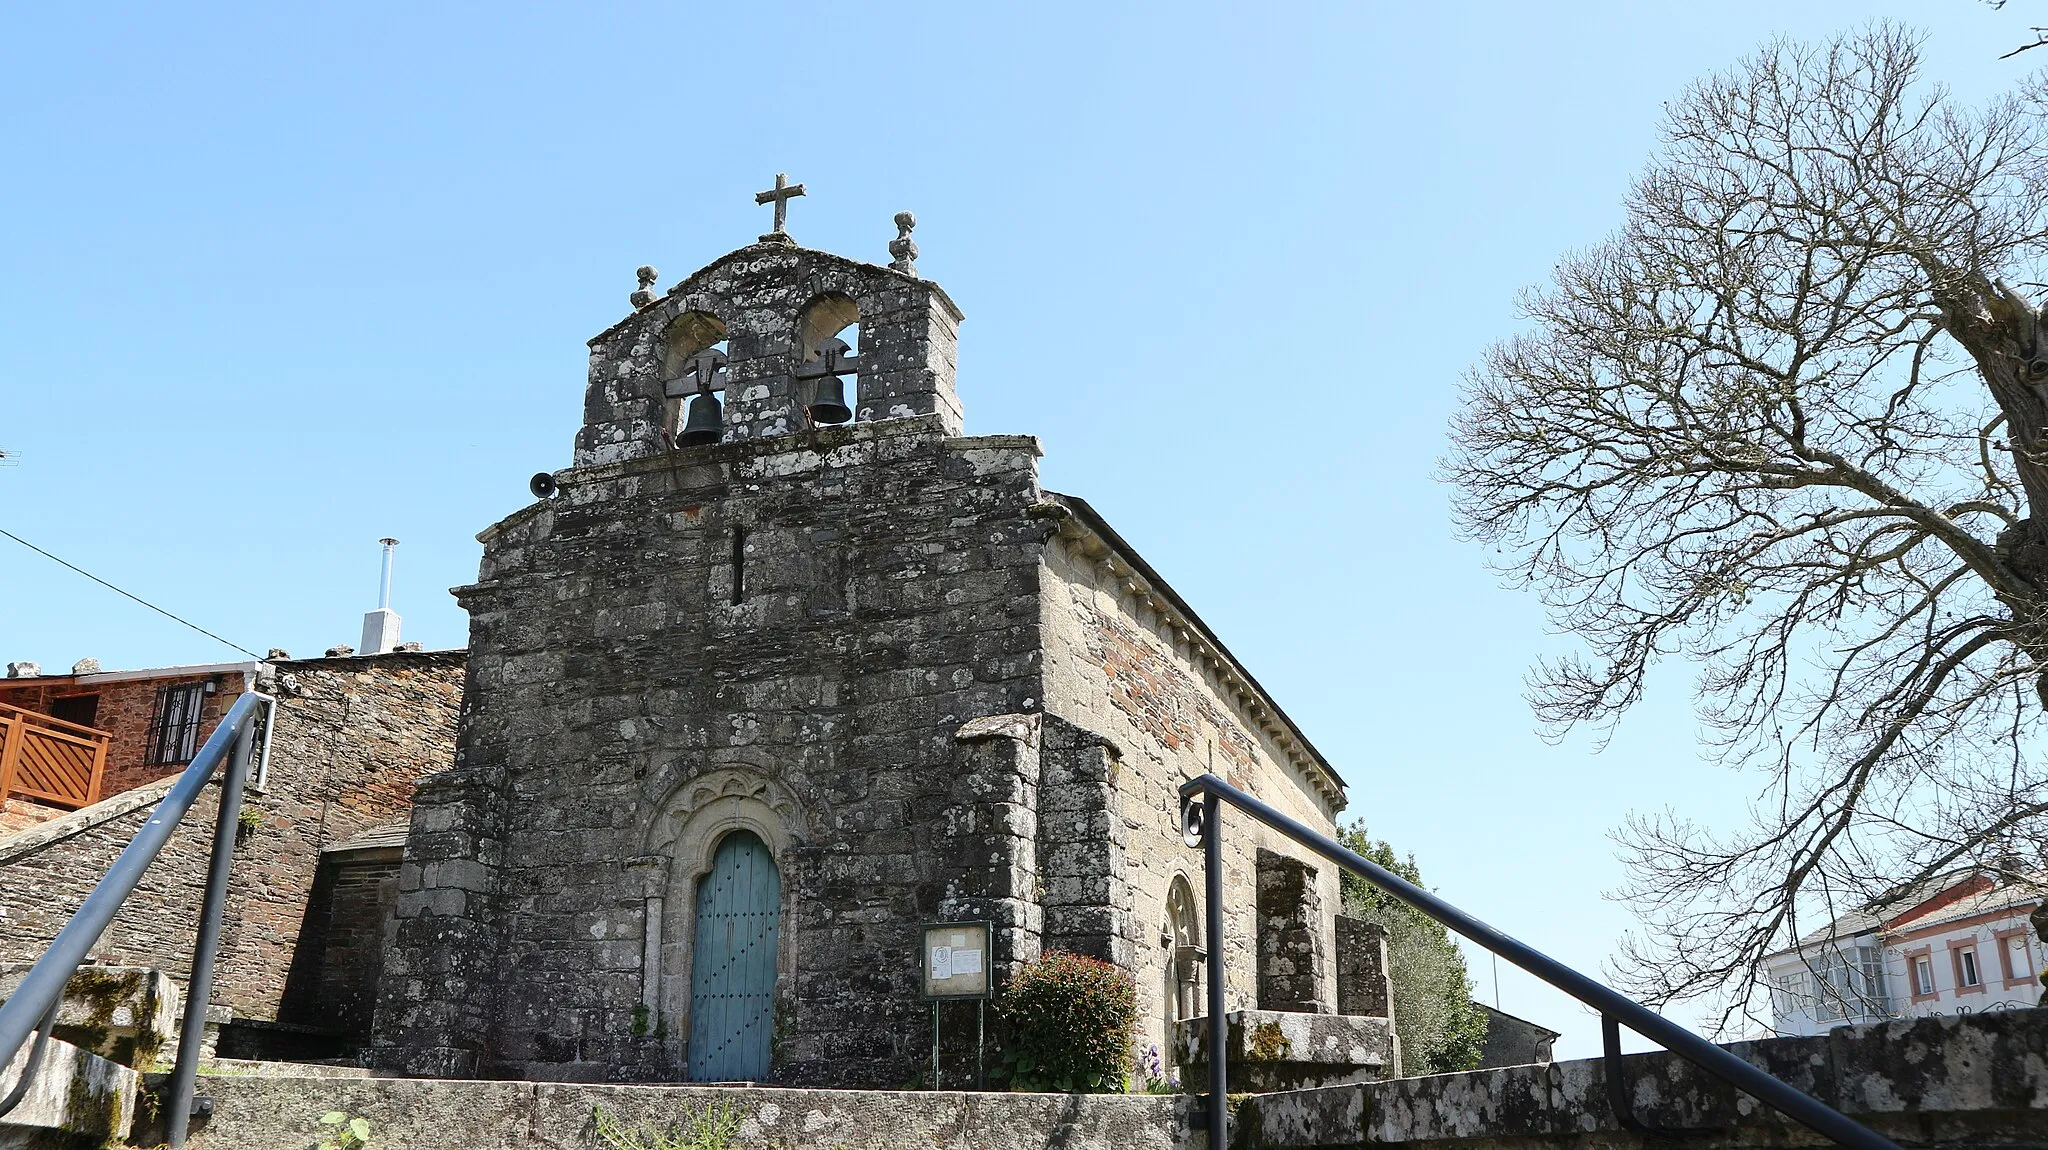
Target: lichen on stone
{"x":1267,"y":1044}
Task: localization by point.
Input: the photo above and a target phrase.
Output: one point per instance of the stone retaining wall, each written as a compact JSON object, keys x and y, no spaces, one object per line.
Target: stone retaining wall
{"x":263,"y":1113}
{"x":1974,"y":1080}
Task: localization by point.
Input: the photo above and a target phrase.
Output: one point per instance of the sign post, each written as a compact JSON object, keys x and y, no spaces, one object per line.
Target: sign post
{"x":956,"y":965}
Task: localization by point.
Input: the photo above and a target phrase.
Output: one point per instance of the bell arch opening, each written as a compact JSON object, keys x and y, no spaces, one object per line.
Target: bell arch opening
{"x":827,"y":351}
{"x":693,"y":355}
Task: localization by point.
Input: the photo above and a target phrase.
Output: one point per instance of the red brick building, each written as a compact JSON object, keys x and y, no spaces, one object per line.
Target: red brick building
{"x":153,"y":721}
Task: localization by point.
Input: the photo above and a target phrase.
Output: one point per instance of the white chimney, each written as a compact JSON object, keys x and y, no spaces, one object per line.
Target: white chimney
{"x":380,"y":627}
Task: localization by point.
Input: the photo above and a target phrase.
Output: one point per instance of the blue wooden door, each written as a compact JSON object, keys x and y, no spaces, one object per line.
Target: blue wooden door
{"x":732,"y":964}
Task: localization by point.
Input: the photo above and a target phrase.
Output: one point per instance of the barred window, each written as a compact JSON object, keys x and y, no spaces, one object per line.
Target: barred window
{"x":174,"y":731}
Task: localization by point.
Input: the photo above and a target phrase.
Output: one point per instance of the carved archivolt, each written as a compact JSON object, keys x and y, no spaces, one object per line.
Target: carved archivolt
{"x":685,"y":834}
{"x":734,"y":790}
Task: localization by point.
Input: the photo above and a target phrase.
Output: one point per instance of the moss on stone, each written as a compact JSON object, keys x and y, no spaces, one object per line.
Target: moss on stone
{"x":93,"y":997}
{"x":1267,"y":1044}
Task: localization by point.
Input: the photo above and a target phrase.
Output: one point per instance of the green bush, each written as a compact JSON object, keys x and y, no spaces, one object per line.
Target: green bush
{"x":1067,"y":1022}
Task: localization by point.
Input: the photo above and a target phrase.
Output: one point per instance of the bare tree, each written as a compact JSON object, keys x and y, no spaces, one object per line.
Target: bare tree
{"x":1789,"y":424}
{"x":2040,"y":33}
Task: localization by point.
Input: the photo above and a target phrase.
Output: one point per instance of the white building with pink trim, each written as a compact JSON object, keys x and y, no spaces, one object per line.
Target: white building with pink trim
{"x":1961,"y":944}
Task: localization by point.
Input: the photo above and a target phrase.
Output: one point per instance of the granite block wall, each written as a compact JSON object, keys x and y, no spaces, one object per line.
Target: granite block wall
{"x":779,"y":637}
{"x":1364,"y":980}
{"x":1292,"y":937}
{"x":1126,"y":660}
{"x":770,"y":305}
{"x":1083,"y":871}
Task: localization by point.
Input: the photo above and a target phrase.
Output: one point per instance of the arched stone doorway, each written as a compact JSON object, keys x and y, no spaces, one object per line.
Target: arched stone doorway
{"x":687,"y":845}
{"x":733,"y":962}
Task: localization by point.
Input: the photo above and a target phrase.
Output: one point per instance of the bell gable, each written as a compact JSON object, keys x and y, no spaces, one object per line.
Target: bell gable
{"x":762,"y":339}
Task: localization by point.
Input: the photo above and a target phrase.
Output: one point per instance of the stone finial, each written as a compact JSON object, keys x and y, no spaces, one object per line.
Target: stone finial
{"x":903,"y":248}
{"x":86,"y":666}
{"x":645,"y":294}
{"x":24,"y":669}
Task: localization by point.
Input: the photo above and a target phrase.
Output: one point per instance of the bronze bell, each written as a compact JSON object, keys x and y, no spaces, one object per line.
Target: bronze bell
{"x":706,"y":424}
{"x":829,"y":405}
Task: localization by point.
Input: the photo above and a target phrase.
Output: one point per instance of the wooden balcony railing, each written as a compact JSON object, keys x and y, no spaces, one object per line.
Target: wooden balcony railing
{"x":49,"y":759}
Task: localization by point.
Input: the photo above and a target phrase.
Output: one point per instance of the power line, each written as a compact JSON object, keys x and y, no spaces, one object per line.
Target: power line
{"x":137,"y":598}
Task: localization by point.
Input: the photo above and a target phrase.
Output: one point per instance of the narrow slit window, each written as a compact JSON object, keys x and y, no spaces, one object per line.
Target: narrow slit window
{"x":739,"y":564}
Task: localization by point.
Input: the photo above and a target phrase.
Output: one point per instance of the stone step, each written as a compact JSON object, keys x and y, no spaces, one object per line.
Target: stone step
{"x":77,"y":1098}
{"x":266,"y":1068}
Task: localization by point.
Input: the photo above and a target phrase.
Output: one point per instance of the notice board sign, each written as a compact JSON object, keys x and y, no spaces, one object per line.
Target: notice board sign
{"x":956,"y":960}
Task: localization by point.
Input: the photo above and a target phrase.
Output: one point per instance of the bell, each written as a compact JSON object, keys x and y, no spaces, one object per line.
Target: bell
{"x":706,"y":424}
{"x":830,"y":404}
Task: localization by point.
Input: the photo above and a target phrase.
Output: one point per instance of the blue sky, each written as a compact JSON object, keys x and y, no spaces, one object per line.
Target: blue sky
{"x":275,"y":282}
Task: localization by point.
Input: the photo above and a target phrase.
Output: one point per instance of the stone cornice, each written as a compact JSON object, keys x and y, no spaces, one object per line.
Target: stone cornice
{"x":671,"y":465}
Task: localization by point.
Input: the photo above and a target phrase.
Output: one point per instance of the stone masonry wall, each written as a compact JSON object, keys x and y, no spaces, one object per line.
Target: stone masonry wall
{"x":1121,"y":667}
{"x":264,"y":1113}
{"x":351,"y":736}
{"x":782,"y":635}
{"x":1294,"y":955}
{"x":1974,"y":1080}
{"x":1364,"y":984}
{"x":433,"y":1007}
{"x":1081,"y":840}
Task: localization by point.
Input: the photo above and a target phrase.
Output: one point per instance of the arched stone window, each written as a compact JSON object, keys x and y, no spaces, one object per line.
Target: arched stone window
{"x":693,"y":350}
{"x":1181,"y":935}
{"x":827,"y":351}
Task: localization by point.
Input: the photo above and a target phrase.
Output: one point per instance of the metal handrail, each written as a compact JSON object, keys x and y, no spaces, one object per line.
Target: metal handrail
{"x":42,"y":990}
{"x":1202,"y":825}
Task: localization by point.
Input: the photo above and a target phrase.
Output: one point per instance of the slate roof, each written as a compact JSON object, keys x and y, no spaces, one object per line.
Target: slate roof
{"x":1890,"y":913}
{"x":382,"y":835}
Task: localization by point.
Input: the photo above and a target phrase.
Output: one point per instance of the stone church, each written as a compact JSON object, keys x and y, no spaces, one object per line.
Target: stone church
{"x":785,"y":667}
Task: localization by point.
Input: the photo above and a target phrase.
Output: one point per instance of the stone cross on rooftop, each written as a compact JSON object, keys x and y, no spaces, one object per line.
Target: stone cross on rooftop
{"x":780,"y":195}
